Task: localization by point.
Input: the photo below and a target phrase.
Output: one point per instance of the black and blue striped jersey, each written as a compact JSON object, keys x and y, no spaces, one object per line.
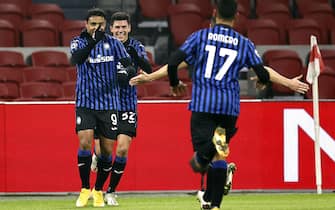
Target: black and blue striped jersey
{"x":217,"y":55}
{"x":128,"y":94}
{"x":97,"y":86}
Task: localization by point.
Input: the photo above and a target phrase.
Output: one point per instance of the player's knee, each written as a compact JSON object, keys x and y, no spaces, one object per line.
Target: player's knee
{"x":85,"y":144}
{"x":198,"y":163}
{"x":122,"y":151}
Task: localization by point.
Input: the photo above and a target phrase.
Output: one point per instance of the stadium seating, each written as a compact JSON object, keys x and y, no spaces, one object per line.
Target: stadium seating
{"x":11,"y":74}
{"x":285,"y":62}
{"x":277,"y":12}
{"x":328,"y":57}
{"x":48,"y":11}
{"x":9,"y":34}
{"x":304,"y":5}
{"x":263,"y":32}
{"x":39,"y":33}
{"x":69,"y":89}
{"x":206,"y":7}
{"x":70,"y":29}
{"x":184,"y":19}
{"x":154,"y":9}
{"x":321,"y":13}
{"x":152,"y":62}
{"x":46,"y":91}
{"x":300,"y":30}
{"x":141,"y":91}
{"x":24,"y":5}
{"x":245,"y":4}
{"x":11,"y":59}
{"x":11,"y":13}
{"x":71,"y":73}
{"x":326,"y":83}
{"x":8,"y":91}
{"x":157,"y":90}
{"x":42,"y":58}
{"x":45,"y":74}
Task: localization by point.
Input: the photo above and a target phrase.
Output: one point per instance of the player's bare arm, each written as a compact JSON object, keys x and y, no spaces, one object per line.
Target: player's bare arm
{"x":294,"y":84}
{"x":144,"y":77}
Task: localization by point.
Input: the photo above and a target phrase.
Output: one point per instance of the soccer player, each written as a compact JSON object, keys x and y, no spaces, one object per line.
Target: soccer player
{"x":217,"y":54}
{"x":96,"y":55}
{"x":120,"y":28}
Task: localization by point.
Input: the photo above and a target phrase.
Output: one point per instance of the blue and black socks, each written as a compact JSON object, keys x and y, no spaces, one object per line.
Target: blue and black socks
{"x":117,"y":172}
{"x":84,"y":160}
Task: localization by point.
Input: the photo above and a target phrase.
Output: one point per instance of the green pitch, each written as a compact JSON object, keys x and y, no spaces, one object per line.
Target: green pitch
{"x":234,"y":201}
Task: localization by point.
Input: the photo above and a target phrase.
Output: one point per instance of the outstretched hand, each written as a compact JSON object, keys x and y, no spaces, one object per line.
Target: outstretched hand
{"x":179,"y":90}
{"x":296,"y":85}
{"x":141,"y":78}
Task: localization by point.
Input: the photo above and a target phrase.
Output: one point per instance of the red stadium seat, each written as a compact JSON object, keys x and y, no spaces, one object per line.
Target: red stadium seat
{"x":206,"y":7}
{"x":69,"y":91}
{"x":11,"y":13}
{"x":261,"y":3}
{"x":304,"y":5}
{"x":263,"y":32}
{"x":245,"y":4}
{"x":46,"y":91}
{"x":50,"y":58}
{"x":277,"y":12}
{"x":45,"y":74}
{"x":141,"y":91}
{"x":71,"y":73}
{"x":39,"y":33}
{"x":154,"y":9}
{"x":11,"y":59}
{"x":321,"y":13}
{"x":184,"y":19}
{"x":152,"y":62}
{"x":8,"y":91}
{"x":48,"y":11}
{"x":24,"y":5}
{"x":11,"y":74}
{"x":326,"y":85}
{"x":285,"y":62}
{"x":9,"y":34}
{"x":300,"y":30}
{"x":157,"y":90}
{"x":70,"y":29}
{"x":328,"y":57}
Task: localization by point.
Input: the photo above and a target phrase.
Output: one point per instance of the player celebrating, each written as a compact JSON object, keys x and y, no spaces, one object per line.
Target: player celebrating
{"x":96,"y":56}
{"x":120,"y":28}
{"x":217,"y":54}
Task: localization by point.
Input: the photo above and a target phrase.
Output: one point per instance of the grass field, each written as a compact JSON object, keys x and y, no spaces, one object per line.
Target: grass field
{"x":235,"y":201}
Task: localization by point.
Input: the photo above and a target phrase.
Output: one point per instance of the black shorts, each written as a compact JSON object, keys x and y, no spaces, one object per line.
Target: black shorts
{"x":127,"y":123}
{"x":203,"y":126}
{"x":104,"y":122}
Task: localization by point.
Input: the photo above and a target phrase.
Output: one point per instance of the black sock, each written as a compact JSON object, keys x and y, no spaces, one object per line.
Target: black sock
{"x":209,"y":184}
{"x":84,"y":160}
{"x":219,"y":177}
{"x":104,"y":168}
{"x":117,"y":172}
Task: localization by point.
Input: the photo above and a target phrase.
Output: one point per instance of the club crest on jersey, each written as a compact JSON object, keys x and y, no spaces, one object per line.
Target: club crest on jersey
{"x":74,"y":45}
{"x":106,"y":46}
